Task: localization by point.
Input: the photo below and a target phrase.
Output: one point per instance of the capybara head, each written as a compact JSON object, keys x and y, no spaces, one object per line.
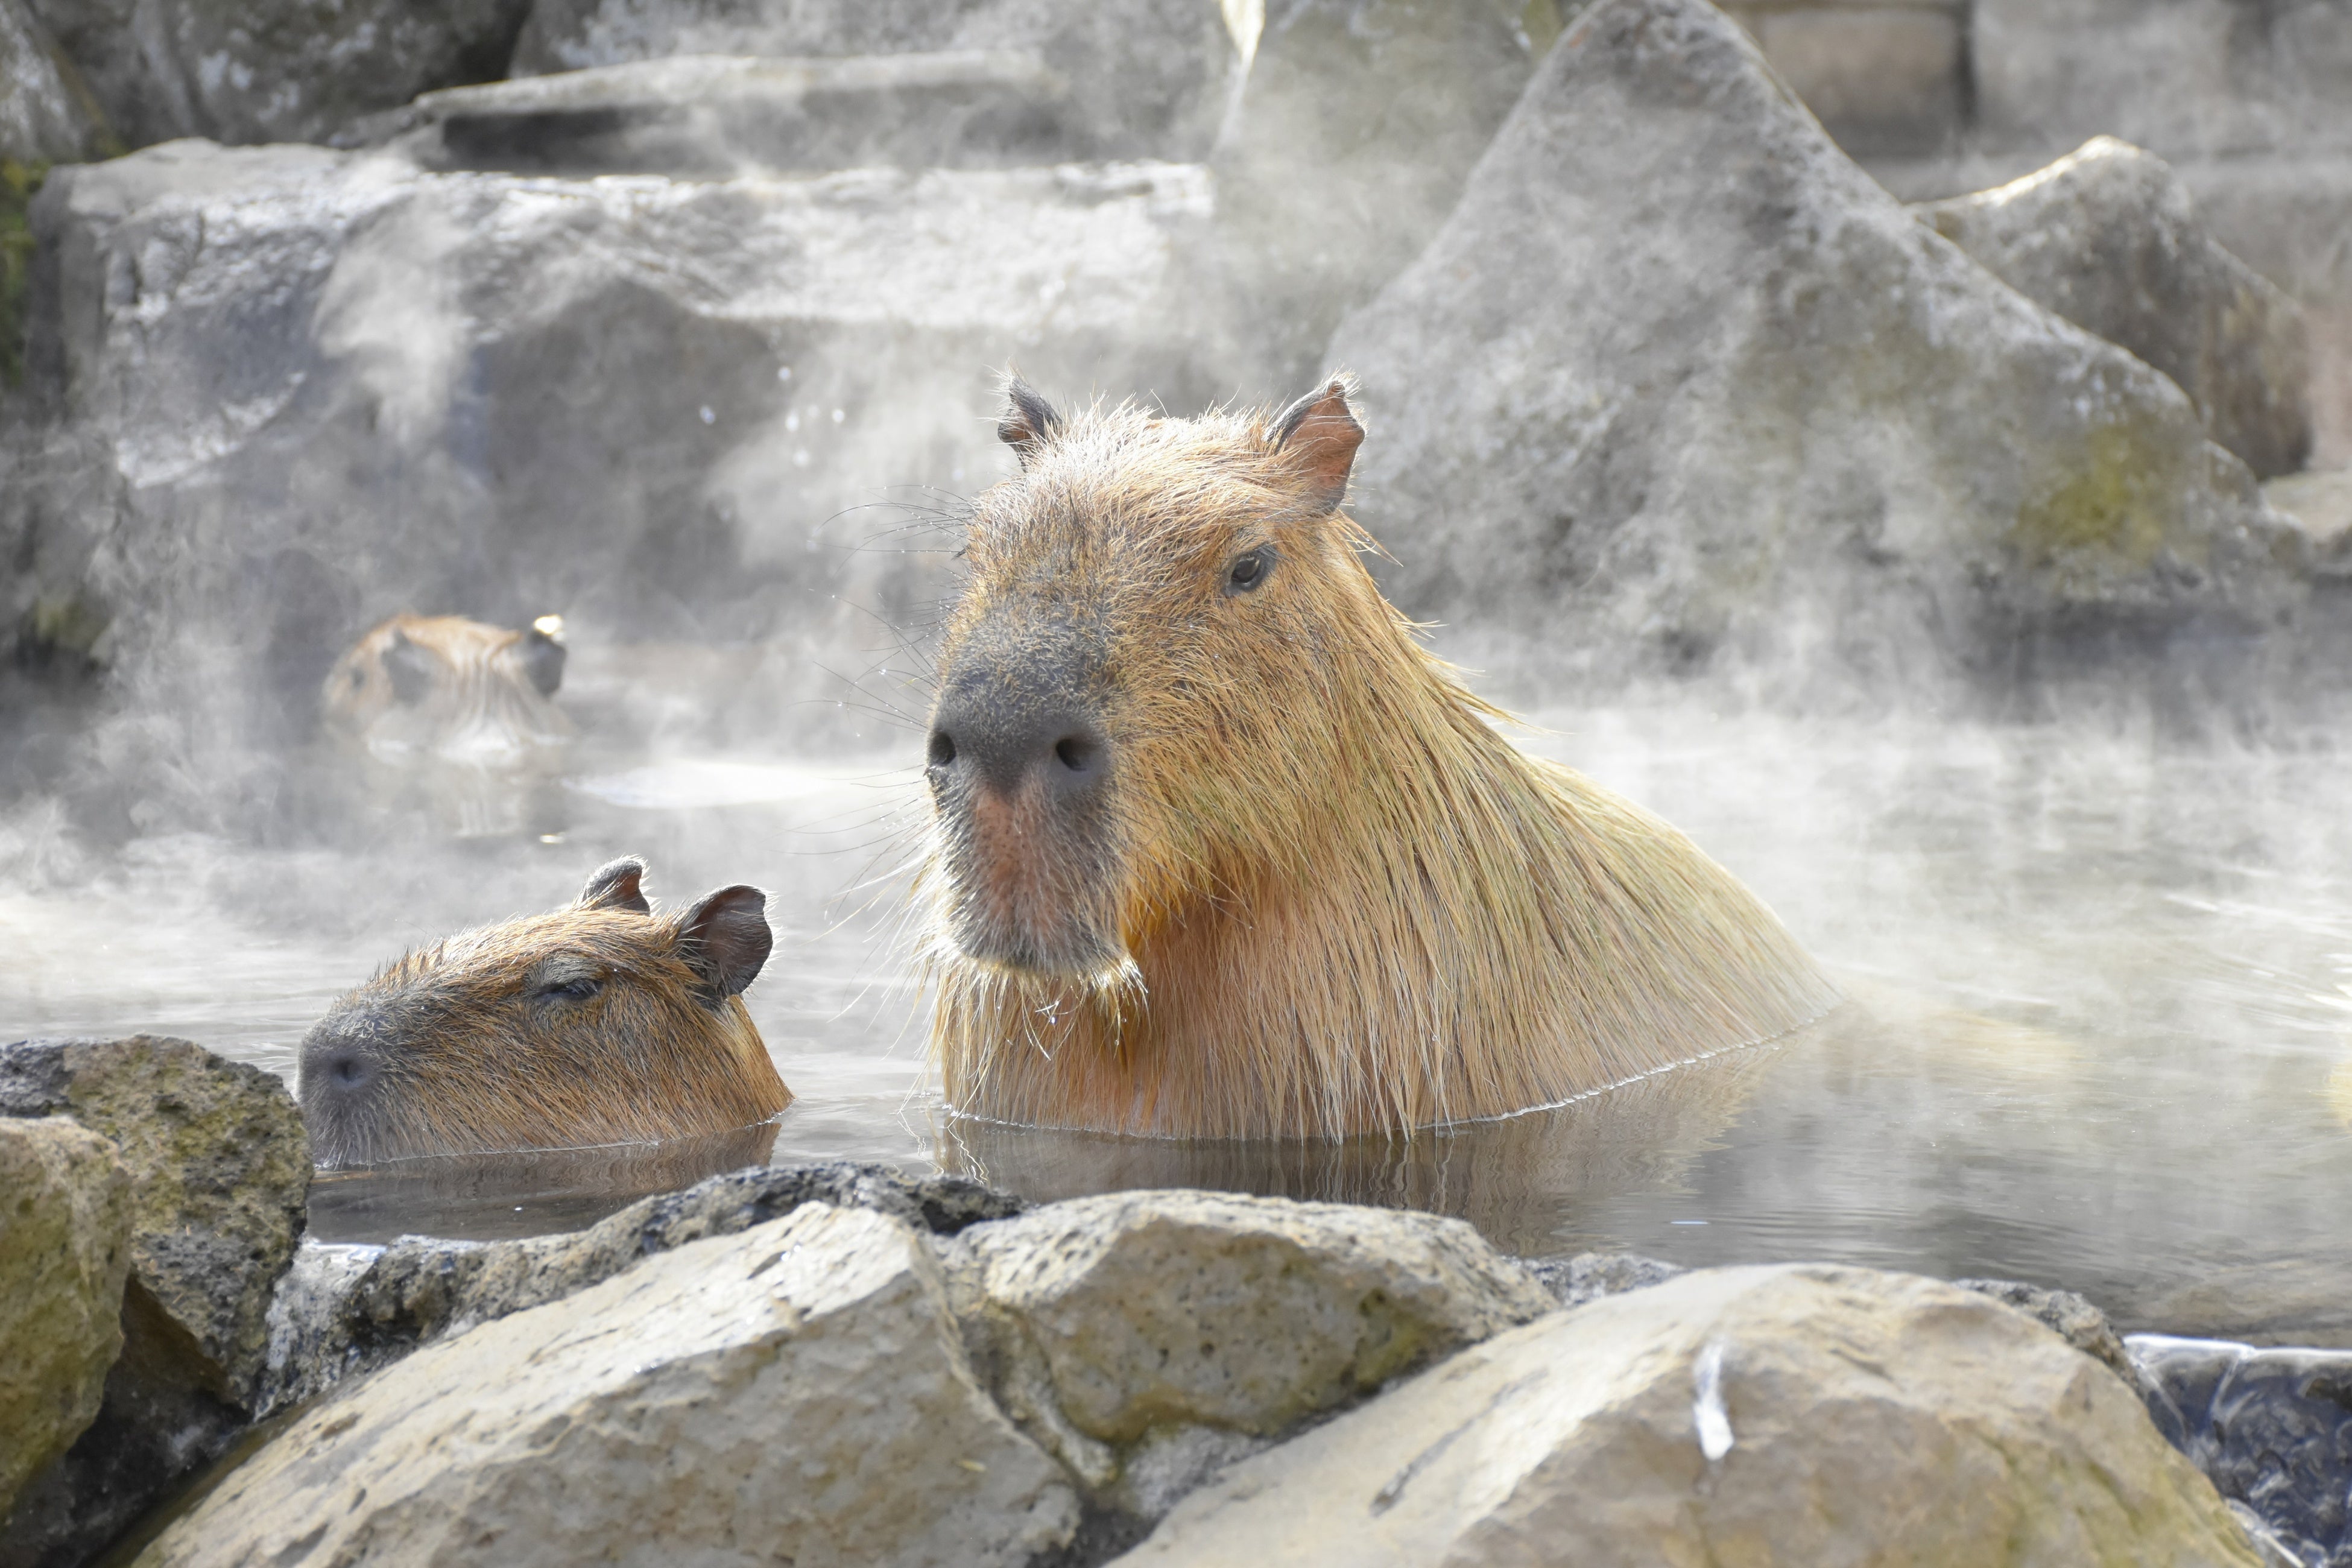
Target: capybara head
{"x":600,"y":1024}
{"x":444,"y":683}
{"x":1219,"y":848}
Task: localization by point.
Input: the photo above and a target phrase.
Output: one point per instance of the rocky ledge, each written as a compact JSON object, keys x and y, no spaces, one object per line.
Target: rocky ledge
{"x":837,"y":1363}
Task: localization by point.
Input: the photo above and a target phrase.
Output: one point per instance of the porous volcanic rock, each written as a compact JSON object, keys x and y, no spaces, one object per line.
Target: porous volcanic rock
{"x":796,"y":1392}
{"x":1589,"y":1275}
{"x":273,"y":70}
{"x":1678,"y":388}
{"x":2323,"y":504}
{"x":2070,"y":1316}
{"x":2107,"y":237}
{"x":1146,"y":79}
{"x":1115,"y":1329}
{"x":46,"y":113}
{"x":2271,"y":1427}
{"x":323,"y":387}
{"x":65,"y":1248}
{"x":1795,"y":1414}
{"x":346,"y":1309}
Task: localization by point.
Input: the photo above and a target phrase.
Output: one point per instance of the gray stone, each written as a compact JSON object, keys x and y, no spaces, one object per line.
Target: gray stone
{"x":720,"y":114}
{"x":1589,"y":1275}
{"x":290,"y":440}
{"x":1145,"y":1339}
{"x":47,"y":112}
{"x":346,"y":1309}
{"x":1884,"y":79}
{"x":793,"y":1393}
{"x":1797,"y":1414}
{"x":1146,"y":78}
{"x":2271,"y":1427}
{"x":272,"y":70}
{"x":2064,"y":1313}
{"x":1680,"y":388}
{"x":65,"y":1248}
{"x":2323,"y":504}
{"x":2109,"y":239}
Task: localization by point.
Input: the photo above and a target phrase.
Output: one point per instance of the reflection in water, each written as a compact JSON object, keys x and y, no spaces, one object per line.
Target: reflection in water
{"x":2101,"y":1034}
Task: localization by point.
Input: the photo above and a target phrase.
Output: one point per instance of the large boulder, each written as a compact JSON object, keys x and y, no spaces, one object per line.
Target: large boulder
{"x":2107,"y":237}
{"x":47,"y":112}
{"x":795,"y":1392}
{"x":65,"y":1248}
{"x":346,"y":1309}
{"x":1679,"y":387}
{"x":1146,"y":1337}
{"x":322,"y":387}
{"x":1795,"y":1414}
{"x":273,"y":70}
{"x":1884,"y":79}
{"x":218,"y":1170}
{"x":1146,"y":77}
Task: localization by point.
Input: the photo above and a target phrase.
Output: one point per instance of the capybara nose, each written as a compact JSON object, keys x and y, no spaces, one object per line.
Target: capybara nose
{"x":336,"y":1060}
{"x":1002,"y":750}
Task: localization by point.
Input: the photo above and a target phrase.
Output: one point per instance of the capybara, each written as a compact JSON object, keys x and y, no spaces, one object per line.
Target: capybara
{"x":1219,"y":849}
{"x":451,"y":687}
{"x":600,"y":1024}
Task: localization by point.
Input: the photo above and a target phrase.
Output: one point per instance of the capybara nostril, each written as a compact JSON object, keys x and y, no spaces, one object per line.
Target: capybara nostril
{"x":943,"y":749}
{"x":1078,"y":753}
{"x":349,"y":1072}
{"x":1002,"y":742}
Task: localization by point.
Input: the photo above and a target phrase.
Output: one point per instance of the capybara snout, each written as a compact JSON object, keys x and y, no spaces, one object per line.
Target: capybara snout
{"x":600,"y":1024}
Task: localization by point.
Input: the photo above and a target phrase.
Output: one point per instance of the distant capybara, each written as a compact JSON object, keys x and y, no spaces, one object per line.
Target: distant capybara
{"x":1219,"y":849}
{"x":446,"y":685}
{"x":597,"y":1024}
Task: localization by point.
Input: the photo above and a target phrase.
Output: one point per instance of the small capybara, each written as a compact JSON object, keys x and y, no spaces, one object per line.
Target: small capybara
{"x":1219,"y":849}
{"x":597,"y":1024}
{"x":449,"y":686}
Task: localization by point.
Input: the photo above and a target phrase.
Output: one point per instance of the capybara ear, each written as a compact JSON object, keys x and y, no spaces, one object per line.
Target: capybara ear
{"x":543,"y":654}
{"x":616,"y":886}
{"x":1319,"y":435}
{"x":725,"y":938}
{"x":1028,"y":422}
{"x":409,"y":666}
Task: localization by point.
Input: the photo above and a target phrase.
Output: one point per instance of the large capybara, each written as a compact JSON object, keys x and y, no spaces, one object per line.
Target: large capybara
{"x":598,"y":1025}
{"x":446,"y":685}
{"x":1219,"y":849}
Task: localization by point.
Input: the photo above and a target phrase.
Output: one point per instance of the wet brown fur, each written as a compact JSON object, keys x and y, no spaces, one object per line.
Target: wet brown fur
{"x":1330,"y":899}
{"x":475,"y":1057}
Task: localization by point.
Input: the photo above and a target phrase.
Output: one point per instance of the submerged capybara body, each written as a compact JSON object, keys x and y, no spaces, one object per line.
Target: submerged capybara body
{"x":600,"y":1024}
{"x":446,"y":685}
{"x":1220,"y":851}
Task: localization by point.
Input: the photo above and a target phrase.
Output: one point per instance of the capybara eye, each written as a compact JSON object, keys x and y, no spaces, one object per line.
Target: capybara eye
{"x":578,"y":989}
{"x":1249,"y":570}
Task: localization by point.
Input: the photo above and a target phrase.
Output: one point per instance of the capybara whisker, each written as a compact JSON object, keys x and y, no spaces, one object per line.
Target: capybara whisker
{"x":1219,"y":849}
{"x":601,"y":1025}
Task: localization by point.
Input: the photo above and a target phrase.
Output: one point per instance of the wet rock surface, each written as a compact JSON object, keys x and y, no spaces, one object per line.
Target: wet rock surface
{"x":65,"y":1250}
{"x":47,"y":112}
{"x":2271,"y":1427}
{"x":2069,"y":1316}
{"x":1590,"y":1275}
{"x":1640,"y":398}
{"x":347,"y":1309}
{"x":218,"y":1169}
{"x":796,"y":1391}
{"x":1687,"y":1420}
{"x":2108,"y":238}
{"x":1145,"y":1338}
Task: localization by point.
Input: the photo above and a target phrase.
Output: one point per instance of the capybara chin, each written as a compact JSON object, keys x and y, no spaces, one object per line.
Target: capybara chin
{"x":449,"y":686}
{"x":600,"y":1024}
{"x":1219,"y":849}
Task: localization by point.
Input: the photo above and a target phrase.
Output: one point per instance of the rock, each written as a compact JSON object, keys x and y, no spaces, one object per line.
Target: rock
{"x":716,"y":115}
{"x":1883,"y":79}
{"x":793,"y":1393}
{"x":273,"y":70}
{"x":295,"y":439}
{"x":218,"y":1168}
{"x":2109,"y":239}
{"x":2064,"y":1313}
{"x":2323,"y":504}
{"x":64,"y":1247}
{"x":1590,"y":1275}
{"x":346,"y":1309}
{"x":46,"y":113}
{"x":2271,"y":1427}
{"x":1678,"y":388}
{"x":1796,"y":1413}
{"x":1146,"y":78}
{"x":1344,"y":151}
{"x":1146,"y":1338}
